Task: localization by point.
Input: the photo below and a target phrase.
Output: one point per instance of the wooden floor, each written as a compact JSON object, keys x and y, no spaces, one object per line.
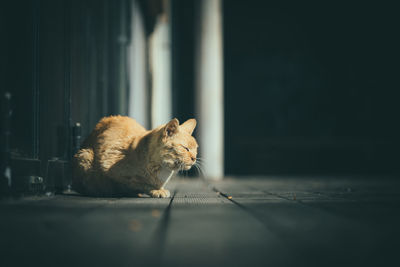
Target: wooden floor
{"x":270,"y":221}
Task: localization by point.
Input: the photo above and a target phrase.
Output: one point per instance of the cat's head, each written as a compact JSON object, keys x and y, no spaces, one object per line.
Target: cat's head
{"x":178,"y":149}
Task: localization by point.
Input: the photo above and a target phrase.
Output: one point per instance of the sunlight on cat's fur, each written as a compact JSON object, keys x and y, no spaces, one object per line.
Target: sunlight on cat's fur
{"x":122,"y":158}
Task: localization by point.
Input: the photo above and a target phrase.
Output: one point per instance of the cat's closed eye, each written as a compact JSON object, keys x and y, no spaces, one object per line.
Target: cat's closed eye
{"x":187,"y":149}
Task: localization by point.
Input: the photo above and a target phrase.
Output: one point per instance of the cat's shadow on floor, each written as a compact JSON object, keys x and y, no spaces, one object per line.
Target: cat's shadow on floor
{"x":72,"y":193}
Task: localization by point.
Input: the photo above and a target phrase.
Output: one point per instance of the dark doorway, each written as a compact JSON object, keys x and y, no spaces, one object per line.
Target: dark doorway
{"x":311,"y":88}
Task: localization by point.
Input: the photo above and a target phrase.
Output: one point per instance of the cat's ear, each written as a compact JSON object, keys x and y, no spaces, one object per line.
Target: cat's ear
{"x":171,"y":128}
{"x":189,"y":125}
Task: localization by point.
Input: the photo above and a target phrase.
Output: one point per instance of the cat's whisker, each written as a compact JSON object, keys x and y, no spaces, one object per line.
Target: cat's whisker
{"x":200,"y":161}
{"x":200,"y":164}
{"x":199,"y":170}
{"x":182,"y":167}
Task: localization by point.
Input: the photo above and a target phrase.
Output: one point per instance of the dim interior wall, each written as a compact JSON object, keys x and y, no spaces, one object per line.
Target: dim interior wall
{"x":100,"y":36}
{"x":18,"y":66}
{"x":68,"y":55}
{"x":183,"y":47}
{"x":311,"y":87}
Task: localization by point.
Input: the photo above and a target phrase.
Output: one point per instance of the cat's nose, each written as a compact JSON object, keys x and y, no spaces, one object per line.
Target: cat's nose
{"x":193,"y":158}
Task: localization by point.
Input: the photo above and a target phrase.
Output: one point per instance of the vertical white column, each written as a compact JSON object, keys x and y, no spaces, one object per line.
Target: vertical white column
{"x":209,"y":87}
{"x":138,"y":96}
{"x":160,"y":64}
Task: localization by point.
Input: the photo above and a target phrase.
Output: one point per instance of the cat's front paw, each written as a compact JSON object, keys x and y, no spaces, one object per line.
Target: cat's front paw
{"x":161,"y":193}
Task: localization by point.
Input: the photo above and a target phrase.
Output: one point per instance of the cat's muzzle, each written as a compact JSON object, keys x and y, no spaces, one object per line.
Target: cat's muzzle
{"x":187,"y":167}
{"x":182,"y":166}
{"x":178,"y":165}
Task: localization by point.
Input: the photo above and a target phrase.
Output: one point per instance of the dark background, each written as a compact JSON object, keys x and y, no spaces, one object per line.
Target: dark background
{"x":309,"y":88}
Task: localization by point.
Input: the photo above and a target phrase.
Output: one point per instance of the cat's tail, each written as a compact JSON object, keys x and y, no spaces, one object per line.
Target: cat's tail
{"x":81,"y":168}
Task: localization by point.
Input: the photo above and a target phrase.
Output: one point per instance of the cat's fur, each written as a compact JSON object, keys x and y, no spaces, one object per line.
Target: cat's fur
{"x":122,"y":158}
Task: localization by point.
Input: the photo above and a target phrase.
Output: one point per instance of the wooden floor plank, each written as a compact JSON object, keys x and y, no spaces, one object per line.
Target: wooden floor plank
{"x":234,"y":222}
{"x":310,"y":230}
{"x":216,"y":232}
{"x":80,"y":231}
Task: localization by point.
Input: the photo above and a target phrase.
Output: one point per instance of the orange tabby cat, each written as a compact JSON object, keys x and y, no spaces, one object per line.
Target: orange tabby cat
{"x":121,"y":158}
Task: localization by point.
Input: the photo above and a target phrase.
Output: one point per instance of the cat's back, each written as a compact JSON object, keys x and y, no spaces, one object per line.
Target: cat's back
{"x":116,"y":129}
{"x":100,"y":151}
